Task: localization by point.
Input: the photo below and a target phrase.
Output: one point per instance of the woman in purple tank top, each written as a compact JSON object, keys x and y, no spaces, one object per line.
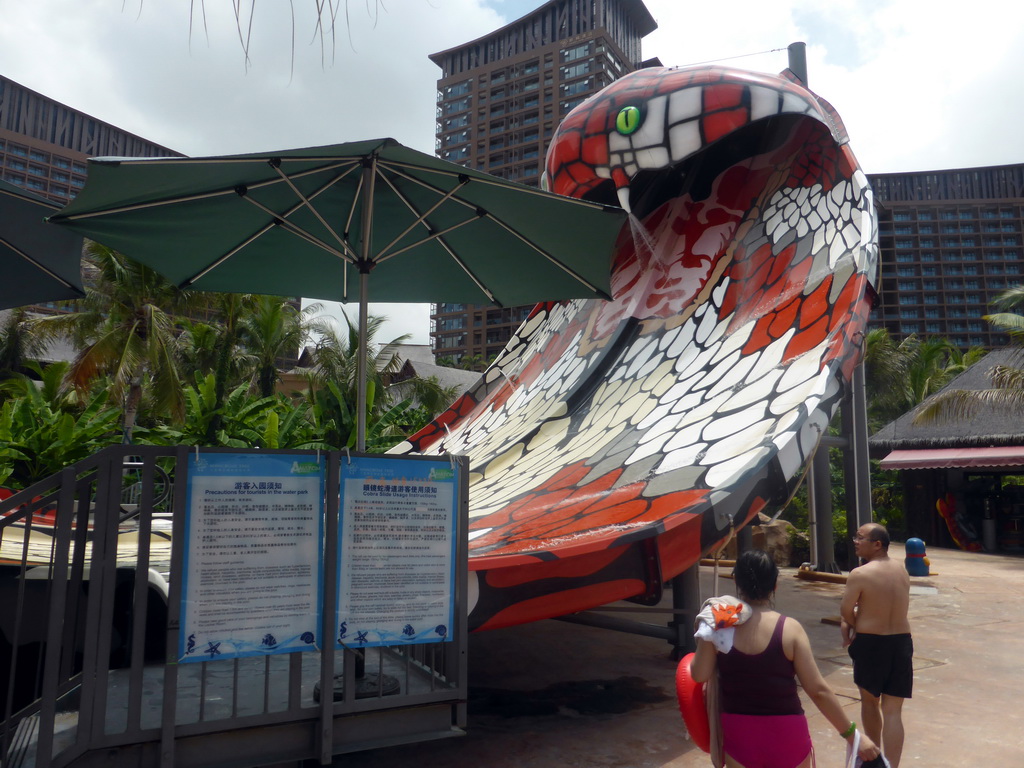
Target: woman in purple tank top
{"x":763,"y":722}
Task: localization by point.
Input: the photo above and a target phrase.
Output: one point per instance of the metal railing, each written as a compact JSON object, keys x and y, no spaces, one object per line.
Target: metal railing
{"x":90,"y":605}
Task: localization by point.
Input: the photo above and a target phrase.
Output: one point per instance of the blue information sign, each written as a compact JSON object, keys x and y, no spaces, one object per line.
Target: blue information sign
{"x":252,"y":581}
{"x":397,"y":536}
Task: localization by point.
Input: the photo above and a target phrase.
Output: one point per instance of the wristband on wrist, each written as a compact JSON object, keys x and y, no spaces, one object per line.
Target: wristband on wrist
{"x":849,"y":731}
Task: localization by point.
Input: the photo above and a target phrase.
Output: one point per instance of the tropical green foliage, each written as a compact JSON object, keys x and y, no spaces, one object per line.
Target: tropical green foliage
{"x":899,"y":375}
{"x":125,"y":329}
{"x":245,"y":420}
{"x":1007,"y":391}
{"x":149,"y":372}
{"x":19,"y":343}
{"x":38,"y":438}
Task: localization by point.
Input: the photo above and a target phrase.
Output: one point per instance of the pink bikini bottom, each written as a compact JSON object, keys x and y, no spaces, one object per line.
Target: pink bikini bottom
{"x":766,"y":741}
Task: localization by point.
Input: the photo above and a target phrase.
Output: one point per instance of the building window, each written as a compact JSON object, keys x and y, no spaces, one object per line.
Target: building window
{"x":458,"y":89}
{"x":571,"y":54}
{"x":576,"y":70}
{"x":451,"y":323}
{"x":458,"y":105}
{"x":578,"y":87}
{"x":451,"y":342}
{"x":455,"y":155}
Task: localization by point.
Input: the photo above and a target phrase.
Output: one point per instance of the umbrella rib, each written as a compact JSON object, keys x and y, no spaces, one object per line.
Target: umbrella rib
{"x":37,"y":264}
{"x":472,"y":276}
{"x":481,"y":212}
{"x":352,"y":208}
{"x":496,"y":182}
{"x":189,"y":198}
{"x":440,"y":240}
{"x":435,"y":235}
{"x":299,"y":232}
{"x":306,"y":201}
{"x":565,"y":268}
{"x":200,"y":275}
{"x":421,"y":218}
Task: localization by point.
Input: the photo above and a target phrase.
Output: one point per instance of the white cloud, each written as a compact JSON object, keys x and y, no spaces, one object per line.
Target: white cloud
{"x":920,"y":84}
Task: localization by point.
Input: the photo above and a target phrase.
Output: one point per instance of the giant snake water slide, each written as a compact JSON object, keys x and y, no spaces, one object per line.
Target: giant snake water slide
{"x":612,"y":443}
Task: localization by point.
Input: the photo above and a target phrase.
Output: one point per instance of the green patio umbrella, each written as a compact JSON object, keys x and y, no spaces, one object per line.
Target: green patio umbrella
{"x":348,"y":222}
{"x":38,"y":262}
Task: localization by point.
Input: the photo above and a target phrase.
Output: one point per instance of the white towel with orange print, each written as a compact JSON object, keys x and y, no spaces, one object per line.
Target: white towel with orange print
{"x":718,"y":618}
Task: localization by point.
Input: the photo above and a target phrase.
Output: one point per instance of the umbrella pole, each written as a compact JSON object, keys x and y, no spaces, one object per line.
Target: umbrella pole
{"x":364,"y":319}
{"x":365,"y":264}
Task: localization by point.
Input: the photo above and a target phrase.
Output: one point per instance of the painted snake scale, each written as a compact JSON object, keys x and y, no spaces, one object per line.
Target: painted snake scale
{"x":612,"y":443}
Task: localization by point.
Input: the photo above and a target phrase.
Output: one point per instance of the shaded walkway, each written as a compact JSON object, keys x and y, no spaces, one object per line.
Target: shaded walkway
{"x":968,"y":623}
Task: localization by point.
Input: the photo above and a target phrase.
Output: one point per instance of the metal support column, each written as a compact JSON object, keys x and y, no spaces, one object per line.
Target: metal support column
{"x":685,"y":604}
{"x":798,"y":60}
{"x":856,"y":466}
{"x":745,"y":537}
{"x":820,"y":498}
{"x":859,"y":438}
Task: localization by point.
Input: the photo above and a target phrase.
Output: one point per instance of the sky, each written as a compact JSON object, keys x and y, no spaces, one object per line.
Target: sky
{"x":920,"y":84}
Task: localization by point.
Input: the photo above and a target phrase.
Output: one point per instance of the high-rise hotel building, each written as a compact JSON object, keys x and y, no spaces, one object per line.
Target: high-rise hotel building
{"x":499,"y":100}
{"x":951,"y":241}
{"x":44,"y":145}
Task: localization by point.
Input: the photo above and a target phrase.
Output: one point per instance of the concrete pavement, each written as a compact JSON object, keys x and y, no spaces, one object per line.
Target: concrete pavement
{"x":559,"y":694}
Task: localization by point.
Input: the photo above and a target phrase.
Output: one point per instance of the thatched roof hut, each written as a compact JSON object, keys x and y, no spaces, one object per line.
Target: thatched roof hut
{"x":988,"y":427}
{"x":967,"y":467}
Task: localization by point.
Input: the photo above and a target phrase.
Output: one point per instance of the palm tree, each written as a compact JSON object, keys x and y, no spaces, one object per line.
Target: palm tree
{"x":335,"y":355}
{"x":19,"y":343}
{"x":935,"y":361}
{"x":125,"y":328}
{"x":886,"y":362}
{"x":205,"y":348}
{"x":1007,"y":390}
{"x":271,"y":331}
{"x":333,"y":377}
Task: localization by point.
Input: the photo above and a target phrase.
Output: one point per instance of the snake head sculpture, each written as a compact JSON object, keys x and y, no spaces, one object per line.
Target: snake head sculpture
{"x":657,"y":118}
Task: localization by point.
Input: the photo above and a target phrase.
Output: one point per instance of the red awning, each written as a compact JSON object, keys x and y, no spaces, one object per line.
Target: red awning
{"x":942,"y":458}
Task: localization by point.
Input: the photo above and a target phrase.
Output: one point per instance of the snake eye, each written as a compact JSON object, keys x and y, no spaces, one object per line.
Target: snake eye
{"x":628,"y":120}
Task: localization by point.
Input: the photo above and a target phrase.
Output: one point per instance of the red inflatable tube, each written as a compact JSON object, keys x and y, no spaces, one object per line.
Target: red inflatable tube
{"x":692,"y":705}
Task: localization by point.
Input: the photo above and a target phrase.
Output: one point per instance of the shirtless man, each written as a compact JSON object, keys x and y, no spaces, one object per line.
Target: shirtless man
{"x":876,"y":628}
